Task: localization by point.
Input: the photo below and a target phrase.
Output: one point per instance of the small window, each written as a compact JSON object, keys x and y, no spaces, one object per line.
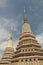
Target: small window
{"x":30,"y":59}
{"x":34,"y":59}
{"x":26,"y":60}
{"x":26,"y":50}
{"x":31,"y":49}
{"x":23,"y":50}
{"x":22,"y":60}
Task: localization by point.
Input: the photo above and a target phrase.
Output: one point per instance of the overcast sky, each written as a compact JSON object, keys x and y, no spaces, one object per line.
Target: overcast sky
{"x":12,"y":15}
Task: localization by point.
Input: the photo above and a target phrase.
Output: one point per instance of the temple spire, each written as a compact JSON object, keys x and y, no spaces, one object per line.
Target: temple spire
{"x":10,"y":36}
{"x":25,"y":15}
{"x":26,"y":25}
{"x":10,"y":40}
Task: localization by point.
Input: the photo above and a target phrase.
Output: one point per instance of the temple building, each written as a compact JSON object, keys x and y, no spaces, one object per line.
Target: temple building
{"x":28,"y":50}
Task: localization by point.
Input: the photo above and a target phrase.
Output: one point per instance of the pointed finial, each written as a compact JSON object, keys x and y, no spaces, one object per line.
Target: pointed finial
{"x":10,"y":35}
{"x":25,"y":16}
{"x":24,"y":10}
{"x":10,"y":41}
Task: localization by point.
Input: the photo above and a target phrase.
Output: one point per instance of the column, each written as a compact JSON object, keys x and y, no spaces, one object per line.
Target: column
{"x":36,"y":61}
{"x":28,"y":61}
{"x":32,"y":62}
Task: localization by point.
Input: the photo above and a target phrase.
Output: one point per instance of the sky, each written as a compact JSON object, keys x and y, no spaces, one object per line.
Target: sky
{"x":12,"y":15}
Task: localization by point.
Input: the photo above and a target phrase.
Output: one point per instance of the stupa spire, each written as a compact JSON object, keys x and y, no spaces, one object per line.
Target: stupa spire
{"x":10,"y":35}
{"x":25,"y":15}
{"x":10,"y":40}
{"x":26,"y":25}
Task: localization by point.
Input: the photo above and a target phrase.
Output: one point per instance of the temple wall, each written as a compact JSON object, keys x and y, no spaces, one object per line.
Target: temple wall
{"x":3,"y":64}
{"x":40,"y":62}
{"x":28,"y":63}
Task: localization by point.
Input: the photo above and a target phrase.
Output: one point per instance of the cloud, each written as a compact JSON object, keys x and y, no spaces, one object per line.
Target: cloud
{"x":2,"y":48}
{"x":40,"y":27}
{"x":39,"y":37}
{"x":3,"y":3}
{"x":3,"y":45}
{"x":3,"y":34}
{"x":7,"y":23}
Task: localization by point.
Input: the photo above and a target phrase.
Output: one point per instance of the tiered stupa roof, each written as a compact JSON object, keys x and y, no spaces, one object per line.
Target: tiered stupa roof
{"x":28,"y":47}
{"x":8,"y":53}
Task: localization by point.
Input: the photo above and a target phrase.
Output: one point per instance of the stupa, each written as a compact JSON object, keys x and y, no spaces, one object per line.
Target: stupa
{"x":8,"y":53}
{"x":28,"y":51}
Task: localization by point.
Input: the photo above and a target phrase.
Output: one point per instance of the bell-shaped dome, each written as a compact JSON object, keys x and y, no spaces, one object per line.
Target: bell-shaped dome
{"x":26,"y":26}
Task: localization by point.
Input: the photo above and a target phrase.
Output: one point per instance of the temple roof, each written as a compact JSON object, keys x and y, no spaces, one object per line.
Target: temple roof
{"x":26,"y":26}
